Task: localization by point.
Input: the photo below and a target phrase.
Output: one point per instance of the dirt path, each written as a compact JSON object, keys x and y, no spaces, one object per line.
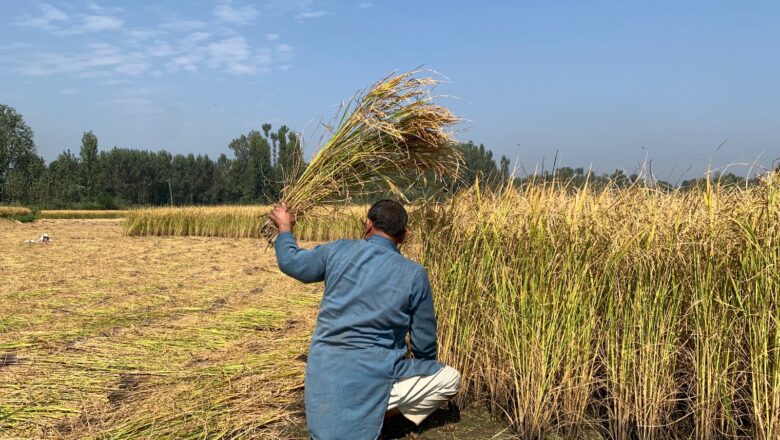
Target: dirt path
{"x":102,"y":334}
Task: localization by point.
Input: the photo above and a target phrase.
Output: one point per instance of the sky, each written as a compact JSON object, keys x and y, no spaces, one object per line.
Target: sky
{"x":681,"y":85}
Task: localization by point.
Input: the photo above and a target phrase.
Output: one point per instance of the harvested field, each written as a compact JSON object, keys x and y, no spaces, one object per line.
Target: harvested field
{"x":108,"y":336}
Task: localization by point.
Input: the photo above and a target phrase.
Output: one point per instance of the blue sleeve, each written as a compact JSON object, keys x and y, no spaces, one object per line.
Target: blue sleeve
{"x":423,"y":319}
{"x":304,"y":265}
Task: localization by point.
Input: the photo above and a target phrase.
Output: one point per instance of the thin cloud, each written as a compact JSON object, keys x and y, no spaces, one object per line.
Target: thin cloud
{"x":179,"y":25}
{"x":68,"y":91}
{"x":263,"y":56}
{"x":187,"y":63}
{"x":101,"y":59}
{"x":15,"y":46}
{"x":230,"y":53}
{"x":142,"y":34}
{"x":54,"y":20}
{"x":196,"y":37}
{"x":133,"y":68}
{"x":116,"y":82}
{"x":48,"y":18}
{"x":135,"y":105}
{"x":97,"y":23}
{"x":93,"y":6}
{"x":365,"y":5}
{"x":227,"y":13}
{"x":175,"y":45}
{"x":284,"y":52}
{"x":160,"y":49}
{"x":306,"y":15}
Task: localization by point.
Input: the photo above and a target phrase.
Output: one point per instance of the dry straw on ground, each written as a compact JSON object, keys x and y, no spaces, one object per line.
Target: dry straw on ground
{"x":108,"y":336}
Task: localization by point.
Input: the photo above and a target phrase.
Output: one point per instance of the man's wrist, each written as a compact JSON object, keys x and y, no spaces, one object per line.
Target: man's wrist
{"x":285,"y":228}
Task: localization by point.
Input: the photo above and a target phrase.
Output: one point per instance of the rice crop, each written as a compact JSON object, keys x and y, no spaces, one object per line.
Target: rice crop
{"x":243,"y":222}
{"x":13,"y":211}
{"x":619,"y":313}
{"x":81,"y":214}
{"x":394,"y":129}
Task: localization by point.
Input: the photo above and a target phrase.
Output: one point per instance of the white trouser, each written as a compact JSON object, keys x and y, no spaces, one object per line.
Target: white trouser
{"x":418,"y":397}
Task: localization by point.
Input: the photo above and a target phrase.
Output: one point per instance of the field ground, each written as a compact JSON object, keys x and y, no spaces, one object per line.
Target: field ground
{"x":105,"y":335}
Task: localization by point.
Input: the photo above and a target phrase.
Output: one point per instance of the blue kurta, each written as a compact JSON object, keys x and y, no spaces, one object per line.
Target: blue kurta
{"x":373,"y":297}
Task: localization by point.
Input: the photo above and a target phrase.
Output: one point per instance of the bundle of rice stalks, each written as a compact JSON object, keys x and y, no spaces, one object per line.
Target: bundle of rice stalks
{"x":392,"y":130}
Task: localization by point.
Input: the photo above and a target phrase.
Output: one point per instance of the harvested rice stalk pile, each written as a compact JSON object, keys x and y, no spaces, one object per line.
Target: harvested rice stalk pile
{"x":393,"y":129}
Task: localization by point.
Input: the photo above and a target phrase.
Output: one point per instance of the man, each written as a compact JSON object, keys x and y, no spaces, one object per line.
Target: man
{"x":357,"y":370}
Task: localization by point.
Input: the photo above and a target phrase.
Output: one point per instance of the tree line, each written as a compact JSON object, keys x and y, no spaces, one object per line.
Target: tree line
{"x":260,"y":163}
{"x":119,"y":177}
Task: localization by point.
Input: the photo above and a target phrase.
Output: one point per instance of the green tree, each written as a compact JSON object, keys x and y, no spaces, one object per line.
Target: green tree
{"x":290,"y":161}
{"x":252,"y":168}
{"x":504,"y":168}
{"x":89,"y":163}
{"x":261,"y":167}
{"x":24,"y":182}
{"x":479,"y":164}
{"x":16,"y":145}
{"x":64,"y":188}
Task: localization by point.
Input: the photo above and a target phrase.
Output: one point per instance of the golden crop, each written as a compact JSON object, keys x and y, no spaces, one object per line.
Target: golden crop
{"x":631,"y":313}
{"x":81,"y":213}
{"x":13,"y":211}
{"x":242,"y":221}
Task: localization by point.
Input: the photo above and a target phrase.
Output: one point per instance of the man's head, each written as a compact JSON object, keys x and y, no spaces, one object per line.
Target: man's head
{"x":387,"y":218}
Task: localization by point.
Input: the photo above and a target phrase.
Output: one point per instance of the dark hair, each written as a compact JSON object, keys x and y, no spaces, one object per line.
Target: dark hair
{"x":389,"y":217}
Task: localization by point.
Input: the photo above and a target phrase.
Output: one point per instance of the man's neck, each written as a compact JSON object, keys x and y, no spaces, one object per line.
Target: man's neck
{"x":381,"y":234}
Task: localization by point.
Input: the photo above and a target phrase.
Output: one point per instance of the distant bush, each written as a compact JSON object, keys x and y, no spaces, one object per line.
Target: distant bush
{"x":26,"y":218}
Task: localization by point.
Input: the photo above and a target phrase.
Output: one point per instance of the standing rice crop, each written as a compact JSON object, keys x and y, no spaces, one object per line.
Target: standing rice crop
{"x":81,"y":213}
{"x":14,"y":211}
{"x":621,"y":313}
{"x":241,"y":222}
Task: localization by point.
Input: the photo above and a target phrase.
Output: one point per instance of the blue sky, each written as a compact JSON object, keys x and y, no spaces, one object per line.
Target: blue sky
{"x":605,"y":84}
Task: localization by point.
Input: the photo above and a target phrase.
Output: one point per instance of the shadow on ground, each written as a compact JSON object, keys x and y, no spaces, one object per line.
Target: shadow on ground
{"x":447,"y":424}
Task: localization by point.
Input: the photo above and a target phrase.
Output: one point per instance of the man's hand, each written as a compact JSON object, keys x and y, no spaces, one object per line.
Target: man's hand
{"x":282,"y":218}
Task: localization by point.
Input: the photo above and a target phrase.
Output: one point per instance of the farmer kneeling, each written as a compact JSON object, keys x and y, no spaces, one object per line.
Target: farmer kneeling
{"x":357,"y":370}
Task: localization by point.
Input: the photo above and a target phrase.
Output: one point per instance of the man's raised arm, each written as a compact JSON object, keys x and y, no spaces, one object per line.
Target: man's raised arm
{"x":304,"y":265}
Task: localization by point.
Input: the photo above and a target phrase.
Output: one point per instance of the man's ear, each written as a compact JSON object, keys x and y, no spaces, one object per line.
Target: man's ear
{"x":402,"y":237}
{"x":369,"y":225}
